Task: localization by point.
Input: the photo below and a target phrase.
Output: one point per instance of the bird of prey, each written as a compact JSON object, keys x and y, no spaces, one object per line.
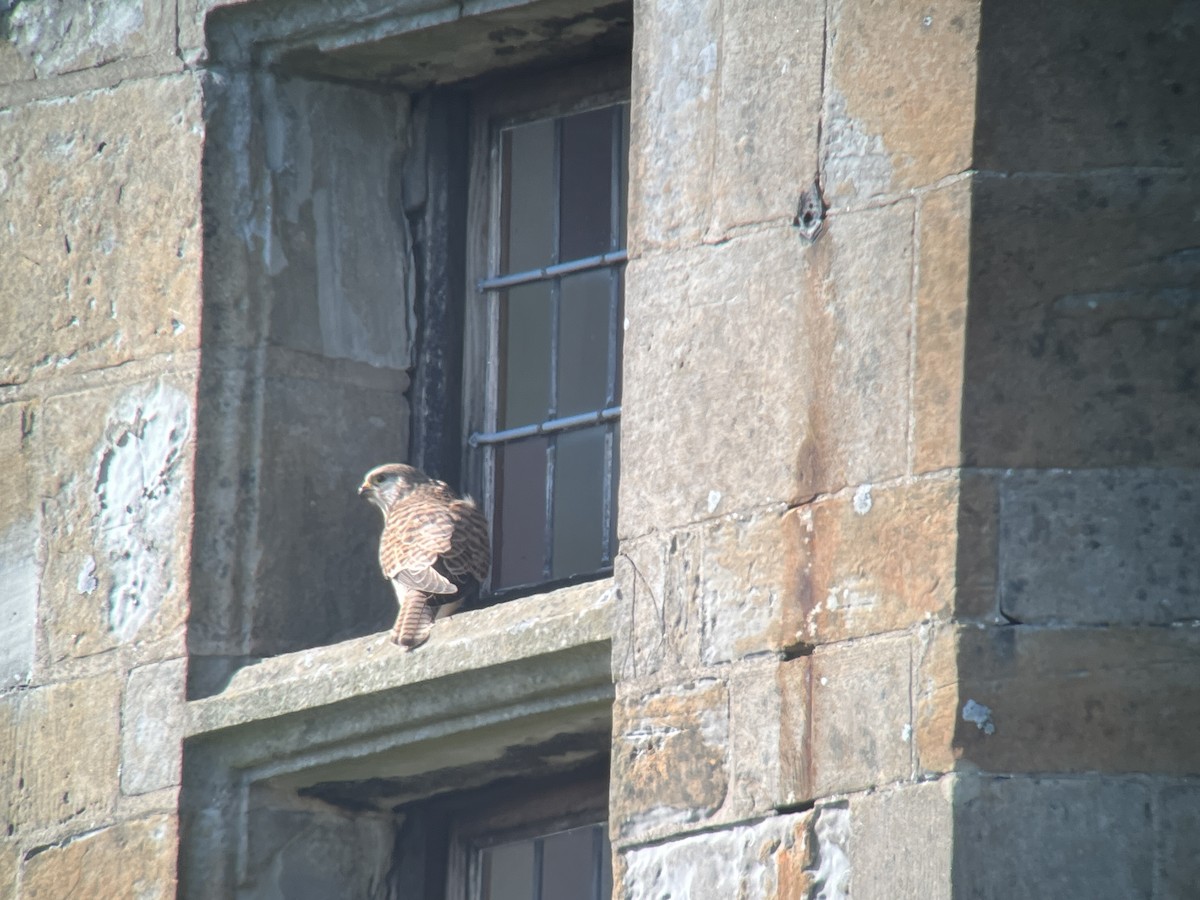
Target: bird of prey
{"x":434,"y":548}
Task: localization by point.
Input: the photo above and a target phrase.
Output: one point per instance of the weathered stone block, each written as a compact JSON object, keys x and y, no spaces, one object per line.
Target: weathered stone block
{"x":1098,"y":547}
{"x":769,"y":718}
{"x":719,"y":591}
{"x":768,"y":110}
{"x":884,"y":559}
{"x":749,"y":581}
{"x":708,"y":327}
{"x":101,"y":256}
{"x":48,"y":39}
{"x":133,"y":859}
{"x":192,"y":15}
{"x":670,"y":756}
{"x":861,"y":731}
{"x":1063,"y":89}
{"x":20,"y":537}
{"x":696,"y":345}
{"x":325,"y":424}
{"x":117,"y":517}
{"x":943,"y":289}
{"x":856,"y":349}
{"x":1019,"y":699}
{"x":771,"y":860}
{"x":656,"y":625}
{"x":14,"y":65}
{"x":10,"y":862}
{"x":1177,"y":833}
{"x":1082,"y":341}
{"x":902,"y":842}
{"x":1041,"y":837}
{"x":935,"y":699}
{"x":315,"y":852}
{"x":673,"y":113}
{"x":899,"y":95}
{"x":978,"y":545}
{"x":62,"y":744}
{"x":341,"y":278}
{"x":152,"y":727}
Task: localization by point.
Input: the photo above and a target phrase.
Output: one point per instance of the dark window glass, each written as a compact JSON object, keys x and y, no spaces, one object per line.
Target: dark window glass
{"x":579,"y":502}
{"x":567,"y":865}
{"x":519,"y":529}
{"x":587,"y":213}
{"x":529,"y":196}
{"x":526,"y":312}
{"x":583,"y":341}
{"x":562,"y":202}
{"x":508,"y":872}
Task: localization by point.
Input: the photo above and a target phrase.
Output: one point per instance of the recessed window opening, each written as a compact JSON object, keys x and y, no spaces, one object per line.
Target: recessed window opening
{"x":573,"y":864}
{"x":554,"y":289}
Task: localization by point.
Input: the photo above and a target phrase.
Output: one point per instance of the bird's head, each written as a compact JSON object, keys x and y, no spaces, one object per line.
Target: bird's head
{"x":384,"y":485}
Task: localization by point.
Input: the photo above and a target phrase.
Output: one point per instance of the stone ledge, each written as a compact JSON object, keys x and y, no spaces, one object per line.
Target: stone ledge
{"x":522,"y":687}
{"x":473,"y":642}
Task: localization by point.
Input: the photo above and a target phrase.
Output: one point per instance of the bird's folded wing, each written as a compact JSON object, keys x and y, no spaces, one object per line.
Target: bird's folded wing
{"x":413,"y":541}
{"x":471,"y":553}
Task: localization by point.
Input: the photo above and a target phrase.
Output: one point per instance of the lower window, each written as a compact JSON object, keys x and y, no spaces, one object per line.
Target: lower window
{"x":564,"y":865}
{"x":553,"y":846}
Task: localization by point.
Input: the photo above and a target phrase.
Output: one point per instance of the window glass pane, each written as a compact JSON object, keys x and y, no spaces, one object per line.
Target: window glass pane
{"x":586,"y":183}
{"x":605,"y":863}
{"x":529,"y":196}
{"x":525,"y":315}
{"x":562,"y":197}
{"x":520,"y":534}
{"x":583,"y":328}
{"x":579,"y":502}
{"x":569,"y":863}
{"x":508,"y":871}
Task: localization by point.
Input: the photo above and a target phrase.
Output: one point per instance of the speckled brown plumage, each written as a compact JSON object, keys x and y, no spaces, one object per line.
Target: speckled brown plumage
{"x":434,"y":548}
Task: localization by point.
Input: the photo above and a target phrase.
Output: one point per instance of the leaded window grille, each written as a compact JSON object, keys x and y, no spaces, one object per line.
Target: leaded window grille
{"x":553,"y":292}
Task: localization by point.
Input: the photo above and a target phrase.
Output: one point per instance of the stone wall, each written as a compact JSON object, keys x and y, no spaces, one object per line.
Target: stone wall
{"x":101,"y":131}
{"x":906,"y":598}
{"x":909,"y":614}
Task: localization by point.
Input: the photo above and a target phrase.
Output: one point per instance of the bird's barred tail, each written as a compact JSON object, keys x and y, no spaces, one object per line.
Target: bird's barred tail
{"x":414,"y":622}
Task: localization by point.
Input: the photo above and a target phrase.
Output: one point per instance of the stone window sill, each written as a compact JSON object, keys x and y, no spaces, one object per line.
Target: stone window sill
{"x":299,"y":715}
{"x":519,"y":689}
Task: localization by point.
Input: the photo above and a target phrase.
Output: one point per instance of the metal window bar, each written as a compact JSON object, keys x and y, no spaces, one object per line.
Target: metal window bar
{"x":610,"y":414}
{"x":550,"y":426}
{"x":515,"y":279}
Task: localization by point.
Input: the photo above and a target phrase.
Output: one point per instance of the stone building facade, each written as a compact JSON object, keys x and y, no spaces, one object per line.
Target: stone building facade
{"x":906,"y":593}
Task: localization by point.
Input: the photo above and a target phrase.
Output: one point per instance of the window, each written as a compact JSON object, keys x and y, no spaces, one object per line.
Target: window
{"x":547,"y":310}
{"x":552,"y":846}
{"x":566,"y":865}
{"x":379,"y":213}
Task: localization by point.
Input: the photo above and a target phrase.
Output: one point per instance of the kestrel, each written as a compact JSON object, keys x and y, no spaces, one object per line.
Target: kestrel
{"x":434,"y":548}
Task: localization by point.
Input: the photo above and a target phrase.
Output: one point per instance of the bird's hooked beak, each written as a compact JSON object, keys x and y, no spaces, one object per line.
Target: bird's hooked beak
{"x":363,"y":489}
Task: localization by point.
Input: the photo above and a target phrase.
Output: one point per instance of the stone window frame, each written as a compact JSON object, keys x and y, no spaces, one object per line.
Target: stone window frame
{"x":516,"y":689}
